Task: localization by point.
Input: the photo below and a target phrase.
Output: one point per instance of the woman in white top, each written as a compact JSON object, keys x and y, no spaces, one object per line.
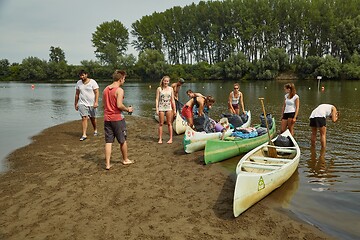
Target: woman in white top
{"x":290,"y":109}
{"x":236,"y":99}
{"x":165,"y":105}
{"x":318,"y":121}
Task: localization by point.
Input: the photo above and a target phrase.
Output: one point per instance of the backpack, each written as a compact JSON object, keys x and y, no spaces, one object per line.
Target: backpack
{"x":204,"y":124}
{"x":234,"y":119}
{"x":269,"y":120}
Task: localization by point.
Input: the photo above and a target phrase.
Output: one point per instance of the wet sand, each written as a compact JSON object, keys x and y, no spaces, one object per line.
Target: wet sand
{"x":57,"y":188}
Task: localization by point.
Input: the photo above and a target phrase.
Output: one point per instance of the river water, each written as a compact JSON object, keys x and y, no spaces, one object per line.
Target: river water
{"x":325,"y":190}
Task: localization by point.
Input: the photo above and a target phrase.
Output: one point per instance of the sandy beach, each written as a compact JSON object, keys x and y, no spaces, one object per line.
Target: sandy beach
{"x":57,"y":188}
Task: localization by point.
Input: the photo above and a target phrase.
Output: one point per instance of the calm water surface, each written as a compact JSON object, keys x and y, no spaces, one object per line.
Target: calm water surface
{"x":325,"y":191}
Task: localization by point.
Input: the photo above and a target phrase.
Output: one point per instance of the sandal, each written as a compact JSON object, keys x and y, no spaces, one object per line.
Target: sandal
{"x":83,"y":138}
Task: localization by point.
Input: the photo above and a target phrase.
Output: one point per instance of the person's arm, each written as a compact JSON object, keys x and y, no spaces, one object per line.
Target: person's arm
{"x":172,"y":101}
{"x":175,"y":90}
{"x":334,"y":114}
{"x":297,"y":104}
{"x":157,"y":100}
{"x":96,"y":102}
{"x":283,"y":109}
{"x":201,"y":106}
{"x":103,"y":101}
{"x":119,"y":101}
{"x":232,"y":110}
{"x":242,"y":103}
{"x":77,"y":93}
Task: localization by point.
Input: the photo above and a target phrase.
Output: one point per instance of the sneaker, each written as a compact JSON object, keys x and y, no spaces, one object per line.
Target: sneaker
{"x":83,"y":138}
{"x":96,"y":134}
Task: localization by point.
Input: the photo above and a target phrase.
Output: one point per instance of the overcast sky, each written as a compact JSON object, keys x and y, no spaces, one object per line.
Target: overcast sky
{"x":31,"y":27}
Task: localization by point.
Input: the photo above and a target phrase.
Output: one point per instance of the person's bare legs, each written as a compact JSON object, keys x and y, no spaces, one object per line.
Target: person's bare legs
{"x":108,"y":147}
{"x":169,"y":118}
{"x":290,"y":124}
{"x":84,"y":123}
{"x":190,"y":122}
{"x":161,"y":123}
{"x":284,"y":124}
{"x":93,"y":122}
{"x":313,"y":136}
{"x":323,"y":137}
{"x":124,"y":153}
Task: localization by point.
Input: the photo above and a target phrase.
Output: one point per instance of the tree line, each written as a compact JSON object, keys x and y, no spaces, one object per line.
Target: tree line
{"x":230,"y":39}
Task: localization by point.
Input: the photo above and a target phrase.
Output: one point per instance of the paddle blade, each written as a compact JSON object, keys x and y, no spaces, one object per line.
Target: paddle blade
{"x":272,"y":151}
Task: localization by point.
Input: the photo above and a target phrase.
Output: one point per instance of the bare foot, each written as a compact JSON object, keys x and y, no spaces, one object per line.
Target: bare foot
{"x":127,"y":162}
{"x":160,"y":141}
{"x":170,"y":141}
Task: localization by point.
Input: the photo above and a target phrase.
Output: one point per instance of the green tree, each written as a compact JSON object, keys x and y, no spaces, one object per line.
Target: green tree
{"x":56,"y":55}
{"x":4,"y":69}
{"x":236,"y":66}
{"x":58,"y":70}
{"x":351,"y":70}
{"x":329,"y":69}
{"x":33,"y":68}
{"x":110,"y":40}
{"x":151,"y":65}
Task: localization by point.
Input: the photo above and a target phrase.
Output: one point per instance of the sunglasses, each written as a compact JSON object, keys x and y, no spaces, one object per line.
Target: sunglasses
{"x":236,"y":88}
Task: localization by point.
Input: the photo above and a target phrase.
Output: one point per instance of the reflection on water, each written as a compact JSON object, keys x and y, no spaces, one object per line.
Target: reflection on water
{"x":325,"y":190}
{"x":320,"y":171}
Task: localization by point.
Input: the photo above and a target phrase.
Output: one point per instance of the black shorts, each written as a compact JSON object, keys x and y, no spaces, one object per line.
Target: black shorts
{"x":116,"y":129}
{"x":288,"y":115}
{"x":318,"y":122}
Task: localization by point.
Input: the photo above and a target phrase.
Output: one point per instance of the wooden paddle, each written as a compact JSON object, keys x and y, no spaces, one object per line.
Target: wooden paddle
{"x":271,"y":151}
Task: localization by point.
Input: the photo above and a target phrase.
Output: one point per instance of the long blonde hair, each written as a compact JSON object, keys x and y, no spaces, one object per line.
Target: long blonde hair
{"x":162,"y":81}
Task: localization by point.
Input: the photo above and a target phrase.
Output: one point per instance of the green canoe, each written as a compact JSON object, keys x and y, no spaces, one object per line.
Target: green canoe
{"x":217,"y":150}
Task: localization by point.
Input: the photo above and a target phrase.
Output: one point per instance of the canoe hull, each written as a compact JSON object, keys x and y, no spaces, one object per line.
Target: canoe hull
{"x":179,"y":124}
{"x":195,"y":141}
{"x":253,"y":184}
{"x":217,"y":150}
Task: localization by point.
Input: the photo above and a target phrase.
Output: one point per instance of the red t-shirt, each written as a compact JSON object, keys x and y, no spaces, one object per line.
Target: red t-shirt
{"x":111,"y":111}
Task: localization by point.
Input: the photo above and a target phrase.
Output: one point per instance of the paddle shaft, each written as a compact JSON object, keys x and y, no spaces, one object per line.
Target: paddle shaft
{"x":266,"y":122}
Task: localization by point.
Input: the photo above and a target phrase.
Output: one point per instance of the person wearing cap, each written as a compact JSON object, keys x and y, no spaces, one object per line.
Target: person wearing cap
{"x":176,"y":86}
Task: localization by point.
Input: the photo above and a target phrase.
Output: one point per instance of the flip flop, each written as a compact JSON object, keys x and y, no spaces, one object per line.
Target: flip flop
{"x":83,"y":138}
{"x":128,"y":162}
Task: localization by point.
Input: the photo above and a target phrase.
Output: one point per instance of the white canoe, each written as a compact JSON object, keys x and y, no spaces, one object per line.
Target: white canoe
{"x":258,"y":174}
{"x":194,"y":141}
{"x":179,"y":124}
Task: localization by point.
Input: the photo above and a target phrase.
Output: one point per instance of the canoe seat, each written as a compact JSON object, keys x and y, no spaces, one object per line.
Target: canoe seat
{"x":265,"y":163}
{"x":282,"y":150}
{"x":261,"y":158}
{"x":258,"y":166}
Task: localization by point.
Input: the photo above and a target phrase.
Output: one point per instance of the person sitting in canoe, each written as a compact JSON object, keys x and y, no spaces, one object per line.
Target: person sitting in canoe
{"x":200,"y":102}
